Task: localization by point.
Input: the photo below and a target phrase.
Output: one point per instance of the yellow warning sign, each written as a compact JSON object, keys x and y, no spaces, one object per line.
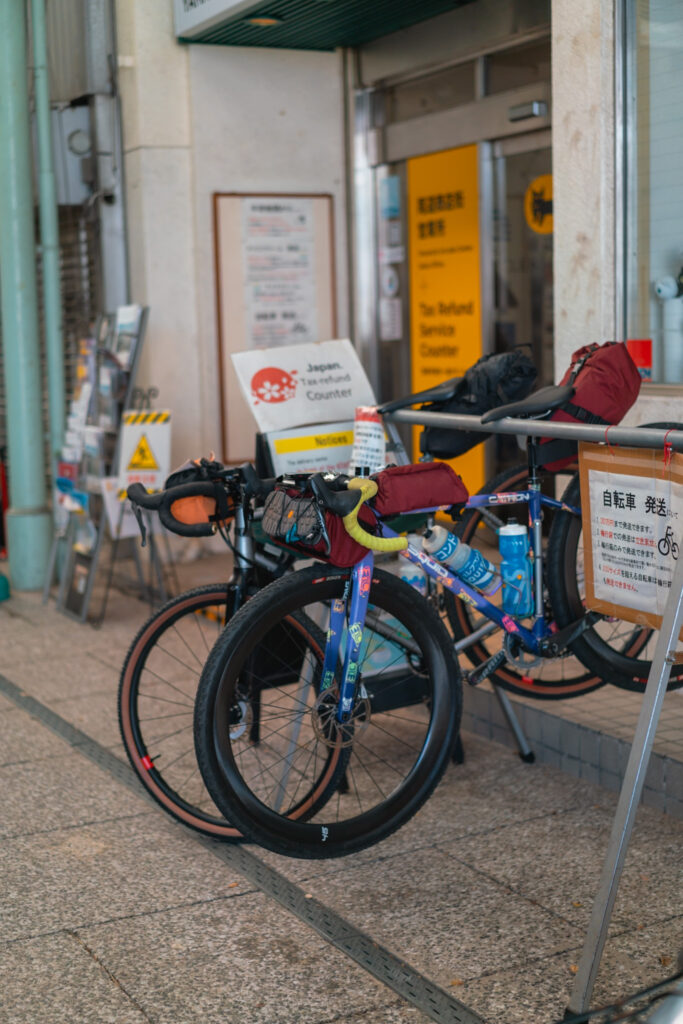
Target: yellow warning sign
{"x":142,"y":457}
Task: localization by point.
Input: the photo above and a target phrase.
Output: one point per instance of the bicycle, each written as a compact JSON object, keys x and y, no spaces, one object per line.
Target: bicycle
{"x":163,"y":656}
{"x":258,"y":785}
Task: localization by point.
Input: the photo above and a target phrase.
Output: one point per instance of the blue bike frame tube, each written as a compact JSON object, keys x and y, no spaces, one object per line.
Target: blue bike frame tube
{"x":537,"y":545}
{"x":334,"y":635}
{"x":361,"y":581}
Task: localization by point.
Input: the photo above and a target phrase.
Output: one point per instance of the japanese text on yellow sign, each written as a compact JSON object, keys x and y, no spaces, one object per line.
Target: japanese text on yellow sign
{"x":445,"y":313}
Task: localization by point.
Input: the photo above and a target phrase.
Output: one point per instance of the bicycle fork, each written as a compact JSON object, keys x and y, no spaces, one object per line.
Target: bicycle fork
{"x":355,"y":597}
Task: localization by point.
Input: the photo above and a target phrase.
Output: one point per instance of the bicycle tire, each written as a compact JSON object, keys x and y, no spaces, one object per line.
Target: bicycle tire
{"x":405,"y":719}
{"x":539,"y":678}
{"x":163,"y":658}
{"x":612,"y":647}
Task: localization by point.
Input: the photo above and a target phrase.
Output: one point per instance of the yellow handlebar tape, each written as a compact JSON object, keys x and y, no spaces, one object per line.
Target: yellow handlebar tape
{"x":368,"y":489}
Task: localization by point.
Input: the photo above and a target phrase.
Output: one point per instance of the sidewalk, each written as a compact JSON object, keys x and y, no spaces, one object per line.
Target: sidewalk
{"x":113,"y":912}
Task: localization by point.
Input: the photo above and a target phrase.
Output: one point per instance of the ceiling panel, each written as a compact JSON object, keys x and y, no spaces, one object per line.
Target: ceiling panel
{"x":320,"y":24}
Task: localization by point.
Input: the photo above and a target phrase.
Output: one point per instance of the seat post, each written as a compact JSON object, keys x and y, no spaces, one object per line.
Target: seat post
{"x":535,"y":522}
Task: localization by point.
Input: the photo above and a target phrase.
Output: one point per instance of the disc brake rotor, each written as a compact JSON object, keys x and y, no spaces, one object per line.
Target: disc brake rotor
{"x":332,"y":732}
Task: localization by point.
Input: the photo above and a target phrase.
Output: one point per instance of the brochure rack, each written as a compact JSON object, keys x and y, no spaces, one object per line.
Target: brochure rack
{"x":107,"y":370}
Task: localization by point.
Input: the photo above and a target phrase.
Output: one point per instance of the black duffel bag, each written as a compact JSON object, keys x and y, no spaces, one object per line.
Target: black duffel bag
{"x":493,"y":380}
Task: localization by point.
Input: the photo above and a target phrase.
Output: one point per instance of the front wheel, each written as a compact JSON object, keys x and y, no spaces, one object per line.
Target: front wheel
{"x":309,"y":788}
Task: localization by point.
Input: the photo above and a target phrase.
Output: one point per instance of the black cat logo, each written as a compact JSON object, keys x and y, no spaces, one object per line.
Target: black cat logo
{"x":540,"y":206}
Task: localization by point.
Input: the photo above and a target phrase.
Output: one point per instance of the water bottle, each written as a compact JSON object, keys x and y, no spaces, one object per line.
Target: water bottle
{"x":467,"y":563}
{"x":409,"y":571}
{"x":515,"y":568}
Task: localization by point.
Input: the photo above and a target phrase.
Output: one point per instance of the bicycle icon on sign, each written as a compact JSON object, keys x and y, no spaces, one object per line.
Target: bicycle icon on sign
{"x":667,"y":545}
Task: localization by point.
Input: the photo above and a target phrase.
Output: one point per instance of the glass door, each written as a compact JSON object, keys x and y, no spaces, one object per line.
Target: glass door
{"x":521,"y":250}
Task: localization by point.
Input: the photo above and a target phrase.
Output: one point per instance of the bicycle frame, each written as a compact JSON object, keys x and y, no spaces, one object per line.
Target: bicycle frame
{"x":357,"y":592}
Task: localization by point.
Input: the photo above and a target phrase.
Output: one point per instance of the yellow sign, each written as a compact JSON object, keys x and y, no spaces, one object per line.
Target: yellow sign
{"x":538,"y":205}
{"x":312,"y":441}
{"x":142,"y":457}
{"x":445,"y":287}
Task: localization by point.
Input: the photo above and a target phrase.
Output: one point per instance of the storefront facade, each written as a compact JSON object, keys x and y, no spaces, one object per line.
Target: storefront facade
{"x":526,"y":130}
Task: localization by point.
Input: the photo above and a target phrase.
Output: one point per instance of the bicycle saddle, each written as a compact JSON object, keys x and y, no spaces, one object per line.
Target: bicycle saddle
{"x":539,"y":404}
{"x":440,"y":393}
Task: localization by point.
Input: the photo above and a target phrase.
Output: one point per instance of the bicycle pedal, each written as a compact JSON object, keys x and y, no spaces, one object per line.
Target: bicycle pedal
{"x":481,"y":672}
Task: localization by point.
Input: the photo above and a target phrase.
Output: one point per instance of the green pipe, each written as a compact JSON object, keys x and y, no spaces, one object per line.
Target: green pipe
{"x":49,"y":232}
{"x":29,"y":521}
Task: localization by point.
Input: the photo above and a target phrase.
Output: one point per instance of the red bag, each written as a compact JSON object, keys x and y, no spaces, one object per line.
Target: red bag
{"x":421,"y":485}
{"x":606,"y":383}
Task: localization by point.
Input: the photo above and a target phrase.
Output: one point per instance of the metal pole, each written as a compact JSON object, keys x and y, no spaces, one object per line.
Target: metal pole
{"x":634,"y":779}
{"x":49,"y":232}
{"x":632,"y":437}
{"x":29,"y":521}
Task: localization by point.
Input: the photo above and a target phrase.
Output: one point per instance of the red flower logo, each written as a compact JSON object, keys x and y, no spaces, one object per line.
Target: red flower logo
{"x":273,"y":385}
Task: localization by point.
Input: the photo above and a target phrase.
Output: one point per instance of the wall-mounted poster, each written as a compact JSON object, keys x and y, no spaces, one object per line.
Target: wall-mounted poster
{"x":274,"y":286}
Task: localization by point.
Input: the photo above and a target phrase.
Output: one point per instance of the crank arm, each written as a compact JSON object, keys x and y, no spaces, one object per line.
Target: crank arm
{"x":553,"y":645}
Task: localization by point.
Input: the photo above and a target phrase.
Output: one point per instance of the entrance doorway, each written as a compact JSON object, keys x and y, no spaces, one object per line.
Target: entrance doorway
{"x":522,"y":259}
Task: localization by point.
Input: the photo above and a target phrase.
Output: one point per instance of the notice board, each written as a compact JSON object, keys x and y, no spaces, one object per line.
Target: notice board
{"x":632,"y":519}
{"x":275,"y":285}
{"x":445,"y":277}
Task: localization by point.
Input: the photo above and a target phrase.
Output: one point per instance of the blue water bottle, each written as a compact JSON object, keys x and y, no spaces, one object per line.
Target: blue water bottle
{"x":515,"y":568}
{"x":466,"y":562}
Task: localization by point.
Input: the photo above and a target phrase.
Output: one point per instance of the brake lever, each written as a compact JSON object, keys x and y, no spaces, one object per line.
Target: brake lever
{"x":141,"y":523}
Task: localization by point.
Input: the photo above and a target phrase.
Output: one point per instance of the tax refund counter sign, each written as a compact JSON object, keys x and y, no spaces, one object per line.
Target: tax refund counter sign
{"x":632,"y":510}
{"x":445,"y":284}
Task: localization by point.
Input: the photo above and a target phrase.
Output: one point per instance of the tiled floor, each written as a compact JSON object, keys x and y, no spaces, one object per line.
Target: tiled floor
{"x":115,"y":913}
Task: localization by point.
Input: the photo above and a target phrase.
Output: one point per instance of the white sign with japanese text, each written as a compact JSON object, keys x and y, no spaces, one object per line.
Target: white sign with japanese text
{"x":299,"y":384}
{"x":632,"y":520}
{"x":636,"y":528}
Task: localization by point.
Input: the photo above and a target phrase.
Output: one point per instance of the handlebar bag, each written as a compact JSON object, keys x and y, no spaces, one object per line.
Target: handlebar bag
{"x":492,"y":381}
{"x":403,"y":489}
{"x":195,"y":509}
{"x":293,"y":517}
{"x":606,"y":384}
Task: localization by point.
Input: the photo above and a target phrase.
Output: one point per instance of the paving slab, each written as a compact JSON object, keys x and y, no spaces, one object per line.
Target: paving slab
{"x":57,"y":979}
{"x":241,"y":959}
{"x":23,"y":741}
{"x":75,"y":675}
{"x":557,"y":862}
{"x":62,"y":791}
{"x":447,"y":920}
{"x":542,"y":991}
{"x":78,"y":876}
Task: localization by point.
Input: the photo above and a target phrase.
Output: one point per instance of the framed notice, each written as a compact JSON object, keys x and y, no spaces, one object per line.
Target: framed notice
{"x":275,"y":286}
{"x":632,"y":512}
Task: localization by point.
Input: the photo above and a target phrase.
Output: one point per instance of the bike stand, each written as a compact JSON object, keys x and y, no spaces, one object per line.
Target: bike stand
{"x":523,"y":748}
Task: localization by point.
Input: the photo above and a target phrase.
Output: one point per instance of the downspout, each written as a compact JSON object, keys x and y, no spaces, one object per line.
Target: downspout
{"x":29,"y":521}
{"x":49,"y":232}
